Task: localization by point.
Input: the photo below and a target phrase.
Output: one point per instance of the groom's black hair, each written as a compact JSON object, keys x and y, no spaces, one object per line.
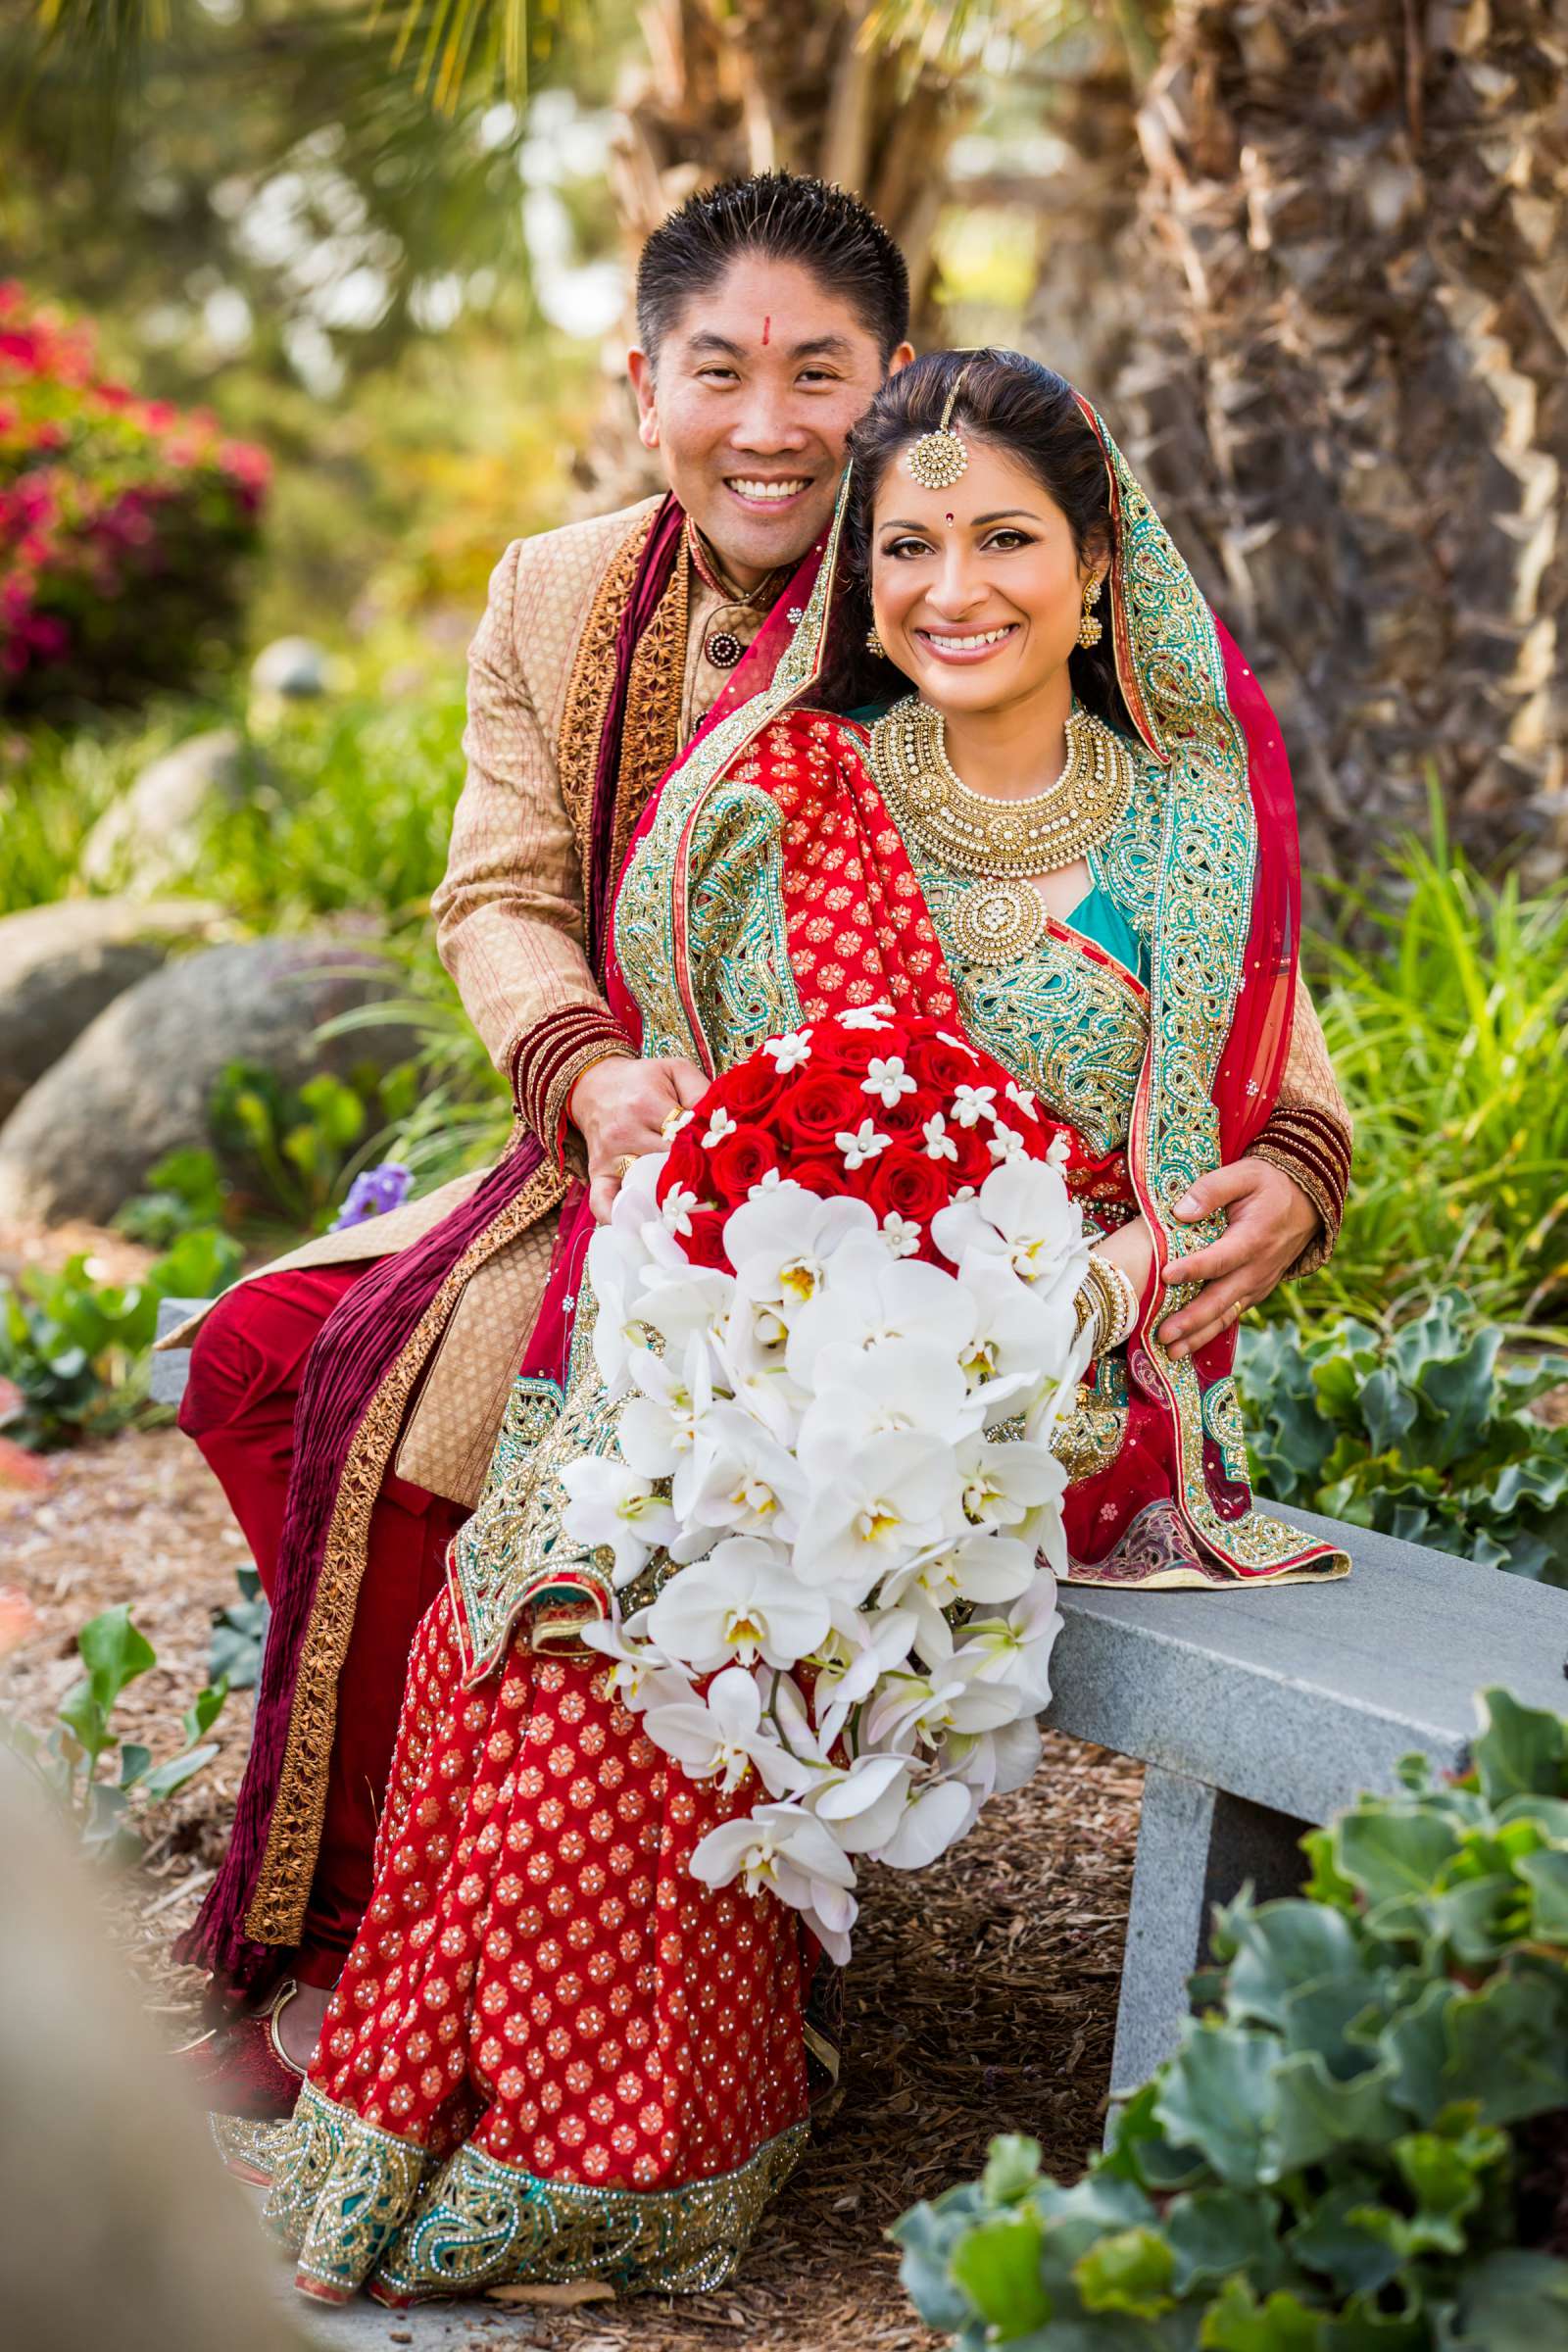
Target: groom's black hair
{"x":788,"y":218}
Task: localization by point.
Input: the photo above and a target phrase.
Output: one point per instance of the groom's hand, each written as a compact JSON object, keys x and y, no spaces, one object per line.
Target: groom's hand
{"x":620,"y":1105}
{"x":1271,"y":1222}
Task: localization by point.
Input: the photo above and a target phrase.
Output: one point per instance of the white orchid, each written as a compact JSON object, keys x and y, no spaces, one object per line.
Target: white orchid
{"x":1013,"y":1653}
{"x":639,"y":1673}
{"x":870,"y":1504}
{"x":723,"y":1736}
{"x":739,"y":1604}
{"x":786,"y":1851}
{"x":870,"y":1297}
{"x":1021,"y":1214}
{"x":608,"y":1505}
{"x":984,"y":1568}
{"x":1011,"y":1485}
{"x":936,"y":1815}
{"x":780,"y":1242}
{"x":864,"y":1392}
{"x":861,"y":1648}
{"x":739,"y":1479}
{"x":658,"y":1429}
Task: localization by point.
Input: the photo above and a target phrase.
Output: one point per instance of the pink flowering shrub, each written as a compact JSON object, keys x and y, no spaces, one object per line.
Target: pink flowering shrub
{"x":122,"y":522}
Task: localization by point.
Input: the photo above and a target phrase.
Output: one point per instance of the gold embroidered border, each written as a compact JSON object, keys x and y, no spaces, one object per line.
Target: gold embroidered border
{"x":651,"y":737}
{"x":277,"y":1913}
{"x":357,"y":2204}
{"x":589,"y":687}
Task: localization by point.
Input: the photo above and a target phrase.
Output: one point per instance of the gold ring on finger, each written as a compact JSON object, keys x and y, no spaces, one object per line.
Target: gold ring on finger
{"x":627,"y":1159}
{"x":674,"y":1117}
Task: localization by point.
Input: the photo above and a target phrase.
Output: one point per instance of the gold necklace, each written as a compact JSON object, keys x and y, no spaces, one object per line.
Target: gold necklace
{"x":1001,"y":844}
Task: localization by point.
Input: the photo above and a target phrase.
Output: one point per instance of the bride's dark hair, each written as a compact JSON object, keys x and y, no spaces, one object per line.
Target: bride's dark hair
{"x":1031,"y":414}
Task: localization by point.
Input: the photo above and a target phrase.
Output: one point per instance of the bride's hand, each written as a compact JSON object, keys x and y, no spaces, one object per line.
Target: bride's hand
{"x":620,"y":1105}
{"x":1130,"y":1248}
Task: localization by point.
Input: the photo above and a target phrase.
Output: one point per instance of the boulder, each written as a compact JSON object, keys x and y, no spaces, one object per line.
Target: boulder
{"x":153,"y":834}
{"x":137,"y":1083}
{"x":59,"y":966}
{"x":293,"y":668}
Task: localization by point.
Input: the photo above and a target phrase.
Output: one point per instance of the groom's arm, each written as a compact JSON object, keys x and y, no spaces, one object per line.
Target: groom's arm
{"x":509,"y":911}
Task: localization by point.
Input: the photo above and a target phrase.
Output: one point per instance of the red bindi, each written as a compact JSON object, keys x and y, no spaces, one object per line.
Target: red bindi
{"x":767,"y":327}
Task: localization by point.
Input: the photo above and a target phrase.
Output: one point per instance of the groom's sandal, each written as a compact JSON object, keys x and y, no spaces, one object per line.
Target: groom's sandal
{"x":242,"y":2069}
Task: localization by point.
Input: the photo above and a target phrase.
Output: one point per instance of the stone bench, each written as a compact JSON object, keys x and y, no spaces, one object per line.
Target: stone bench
{"x":1258,"y":1713}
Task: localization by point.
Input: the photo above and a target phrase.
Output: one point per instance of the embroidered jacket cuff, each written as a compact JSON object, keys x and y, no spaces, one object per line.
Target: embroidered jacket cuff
{"x":1314,"y":1151}
{"x":551,"y":1059}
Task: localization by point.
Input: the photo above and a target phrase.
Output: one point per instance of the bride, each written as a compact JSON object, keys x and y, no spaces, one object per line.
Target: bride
{"x":554,"y":2053}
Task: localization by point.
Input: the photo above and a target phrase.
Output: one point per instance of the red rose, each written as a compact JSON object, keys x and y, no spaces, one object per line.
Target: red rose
{"x":686,"y":1165}
{"x":705,"y":1243}
{"x":744,"y":1156}
{"x":975,"y":1162}
{"x":907,"y":1183}
{"x":748,"y":1092}
{"x":907,"y":1115}
{"x":947,"y":1067}
{"x":819,"y":1175}
{"x":823,"y":1105}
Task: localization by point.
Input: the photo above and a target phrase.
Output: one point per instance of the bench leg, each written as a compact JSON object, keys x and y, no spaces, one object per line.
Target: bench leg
{"x":1196,"y":1847}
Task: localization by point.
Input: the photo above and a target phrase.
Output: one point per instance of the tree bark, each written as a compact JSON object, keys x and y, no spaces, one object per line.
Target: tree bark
{"x":1349,"y":394}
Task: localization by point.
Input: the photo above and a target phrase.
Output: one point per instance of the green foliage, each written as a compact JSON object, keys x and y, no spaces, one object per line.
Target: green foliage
{"x":187,"y":1193}
{"x":238,"y":1633}
{"x":1424,"y":1435}
{"x":298,"y":1142}
{"x":1448,"y":1039}
{"x":1340,"y":2156}
{"x":354,"y":813}
{"x":115,"y":1653}
{"x":77,"y":1349}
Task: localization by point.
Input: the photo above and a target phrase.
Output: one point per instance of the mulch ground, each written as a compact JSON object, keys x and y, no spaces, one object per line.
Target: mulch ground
{"x":982,"y":1995}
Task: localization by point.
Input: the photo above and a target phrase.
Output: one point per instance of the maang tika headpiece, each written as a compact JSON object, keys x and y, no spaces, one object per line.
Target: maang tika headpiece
{"x":938,"y":459}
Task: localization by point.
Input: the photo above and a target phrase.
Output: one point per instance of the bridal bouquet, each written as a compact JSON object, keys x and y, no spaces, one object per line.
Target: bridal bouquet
{"x":839,"y":1310}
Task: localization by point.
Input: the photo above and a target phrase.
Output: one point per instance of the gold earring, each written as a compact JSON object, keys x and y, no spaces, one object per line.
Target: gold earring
{"x":874,"y":643}
{"x":1090,"y":630}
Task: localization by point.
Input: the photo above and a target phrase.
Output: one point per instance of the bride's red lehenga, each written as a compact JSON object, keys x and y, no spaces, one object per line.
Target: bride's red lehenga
{"x":543,"y":2006}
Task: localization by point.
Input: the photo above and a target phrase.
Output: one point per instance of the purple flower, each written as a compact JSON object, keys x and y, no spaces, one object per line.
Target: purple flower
{"x":373,"y":1193}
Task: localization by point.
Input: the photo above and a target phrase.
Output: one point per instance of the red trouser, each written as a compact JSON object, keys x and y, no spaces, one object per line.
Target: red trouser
{"x":245,"y":1373}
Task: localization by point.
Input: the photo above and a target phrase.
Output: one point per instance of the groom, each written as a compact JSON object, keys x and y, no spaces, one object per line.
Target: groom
{"x":769,"y":312}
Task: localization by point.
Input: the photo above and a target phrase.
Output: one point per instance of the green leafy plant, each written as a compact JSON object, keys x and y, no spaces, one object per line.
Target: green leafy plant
{"x":299,"y":1142}
{"x":1425,"y":1433}
{"x":238,"y":1633}
{"x":68,"y":1759}
{"x":1360,"y":2146}
{"x":75,"y":1350}
{"x":187,"y":1192}
{"x":1445,"y":1023}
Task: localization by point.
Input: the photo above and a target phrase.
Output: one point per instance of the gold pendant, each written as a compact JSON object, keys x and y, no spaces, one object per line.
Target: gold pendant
{"x":997,"y":922}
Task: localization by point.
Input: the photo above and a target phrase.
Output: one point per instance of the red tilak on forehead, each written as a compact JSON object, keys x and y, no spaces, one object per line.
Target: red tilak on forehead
{"x":767,"y":328}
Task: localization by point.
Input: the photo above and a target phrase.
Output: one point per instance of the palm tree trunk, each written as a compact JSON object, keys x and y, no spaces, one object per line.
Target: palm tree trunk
{"x":1348,"y":394}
